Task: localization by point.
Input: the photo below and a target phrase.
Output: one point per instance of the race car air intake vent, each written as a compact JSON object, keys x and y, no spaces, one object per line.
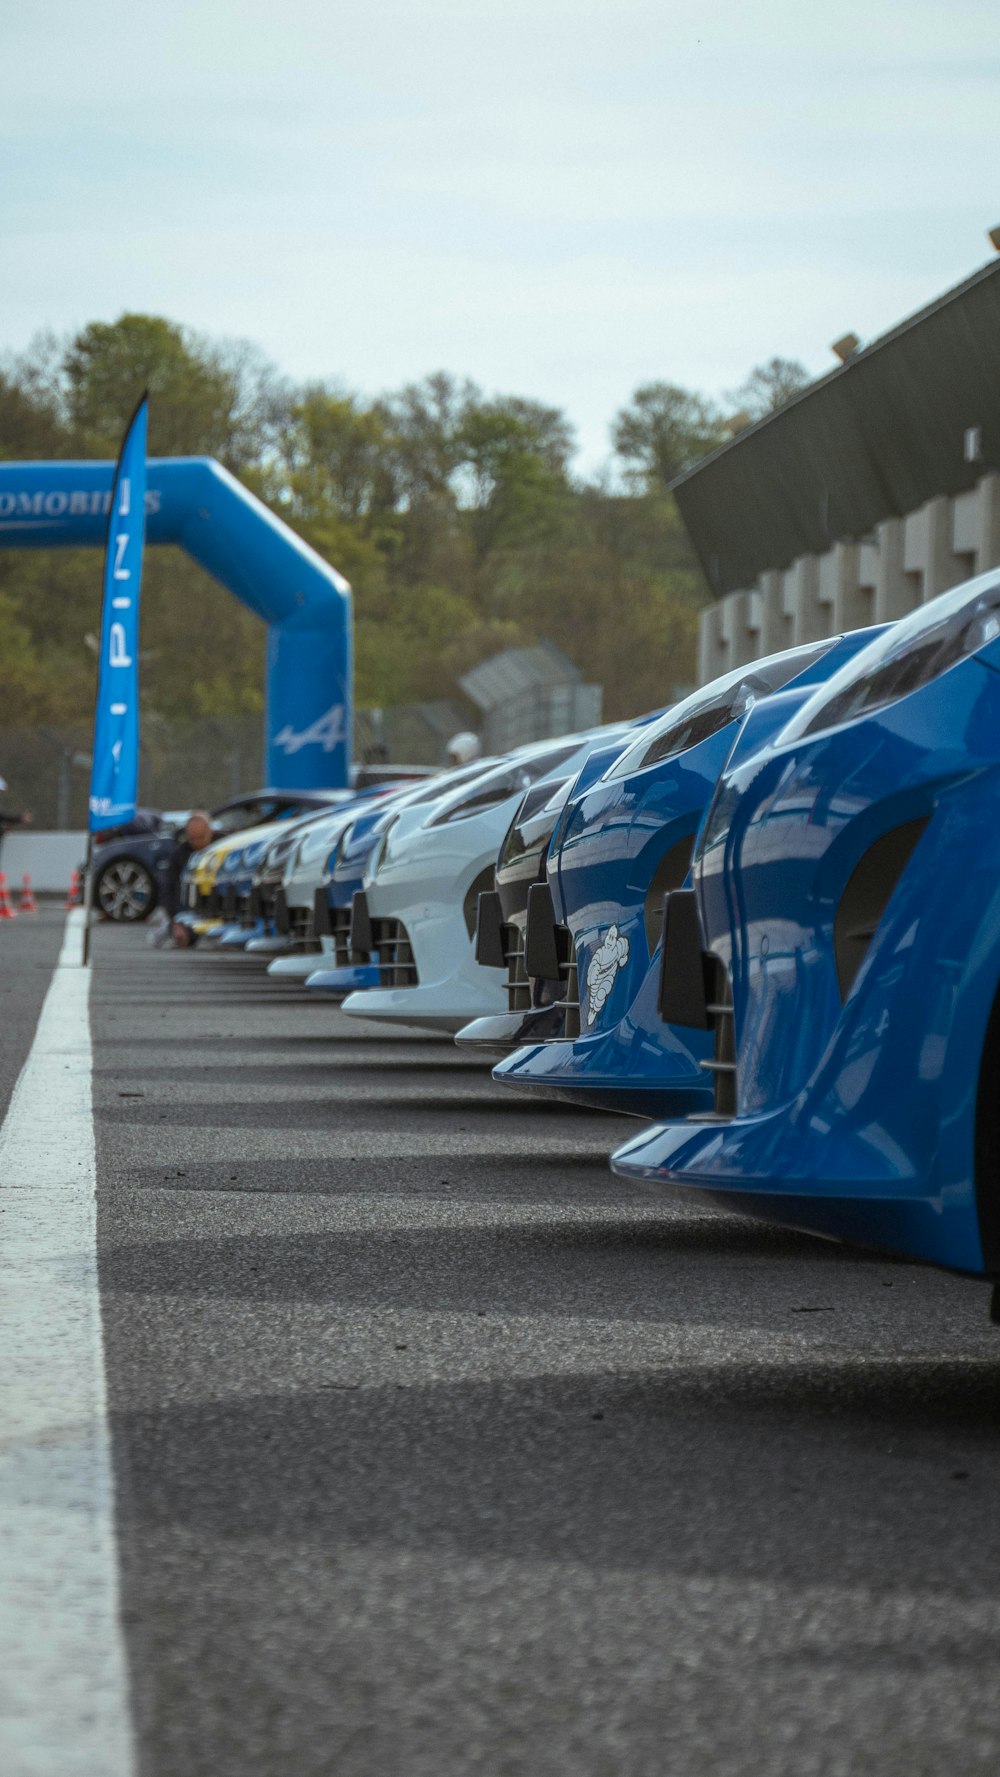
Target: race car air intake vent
{"x":300,"y":926}
{"x":722,"y":1066}
{"x":571,"y":993}
{"x":866,"y":898}
{"x":340,"y":931}
{"x":988,"y":1144}
{"x":669,"y":874}
{"x":321,"y":913}
{"x":550,"y":959}
{"x":518,"y":979}
{"x":394,"y":954}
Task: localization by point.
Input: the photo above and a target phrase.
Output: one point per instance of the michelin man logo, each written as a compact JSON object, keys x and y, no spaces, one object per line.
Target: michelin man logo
{"x":604,"y":965}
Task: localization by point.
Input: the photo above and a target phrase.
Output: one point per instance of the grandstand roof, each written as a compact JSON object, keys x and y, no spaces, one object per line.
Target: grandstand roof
{"x":877,"y":438}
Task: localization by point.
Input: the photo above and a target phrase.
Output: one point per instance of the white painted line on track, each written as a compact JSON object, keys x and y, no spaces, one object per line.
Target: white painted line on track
{"x":64,"y":1708}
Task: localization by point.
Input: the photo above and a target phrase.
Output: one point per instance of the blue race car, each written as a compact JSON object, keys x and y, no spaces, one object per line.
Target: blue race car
{"x":342,"y":971}
{"x":621,"y":843}
{"x":244,"y":877}
{"x":840,"y":949}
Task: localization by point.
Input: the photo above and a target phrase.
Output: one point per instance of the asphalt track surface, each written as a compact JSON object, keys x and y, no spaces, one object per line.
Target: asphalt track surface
{"x":439,"y":1451}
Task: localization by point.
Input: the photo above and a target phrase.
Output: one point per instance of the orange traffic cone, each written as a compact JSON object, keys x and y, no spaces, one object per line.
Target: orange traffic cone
{"x":74,"y":897}
{"x":6,"y":910}
{"x":26,"y":902}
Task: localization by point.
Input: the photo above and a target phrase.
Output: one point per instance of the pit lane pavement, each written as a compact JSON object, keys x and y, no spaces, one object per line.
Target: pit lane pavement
{"x":439,"y":1451}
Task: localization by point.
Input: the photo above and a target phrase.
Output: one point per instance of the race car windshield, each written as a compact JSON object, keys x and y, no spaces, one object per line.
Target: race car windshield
{"x":703,"y":713}
{"x":916,"y":650}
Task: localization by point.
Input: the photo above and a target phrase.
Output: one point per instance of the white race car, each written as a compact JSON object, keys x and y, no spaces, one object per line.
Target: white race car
{"x":417,"y":910}
{"x":306,"y":870}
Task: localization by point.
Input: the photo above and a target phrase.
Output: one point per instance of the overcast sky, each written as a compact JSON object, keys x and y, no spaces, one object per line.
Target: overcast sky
{"x":559,"y":198}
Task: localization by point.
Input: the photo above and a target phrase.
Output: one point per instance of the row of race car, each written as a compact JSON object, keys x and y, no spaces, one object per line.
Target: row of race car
{"x":766,"y":921}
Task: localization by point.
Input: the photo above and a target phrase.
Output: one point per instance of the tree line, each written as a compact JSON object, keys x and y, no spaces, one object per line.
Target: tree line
{"x":456,"y":515}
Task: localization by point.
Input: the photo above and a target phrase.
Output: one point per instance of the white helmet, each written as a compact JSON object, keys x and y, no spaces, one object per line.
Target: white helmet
{"x":463,"y":748}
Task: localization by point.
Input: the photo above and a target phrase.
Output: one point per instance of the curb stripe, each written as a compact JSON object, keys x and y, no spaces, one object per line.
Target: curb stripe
{"x":63,"y":1688}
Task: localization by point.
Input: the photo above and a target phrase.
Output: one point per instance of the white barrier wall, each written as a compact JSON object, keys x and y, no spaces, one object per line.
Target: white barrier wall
{"x":48,"y":858}
{"x":868,"y":580}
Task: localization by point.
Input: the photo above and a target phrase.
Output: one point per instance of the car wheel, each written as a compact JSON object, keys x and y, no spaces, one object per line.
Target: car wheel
{"x":125,"y":890}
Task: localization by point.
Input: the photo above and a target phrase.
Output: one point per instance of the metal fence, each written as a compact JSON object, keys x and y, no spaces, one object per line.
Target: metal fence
{"x":201,"y":762}
{"x":193,"y":764}
{"x":181,"y":765}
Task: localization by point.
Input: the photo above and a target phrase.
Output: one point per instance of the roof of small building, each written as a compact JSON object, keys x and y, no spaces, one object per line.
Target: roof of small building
{"x":515,"y":670}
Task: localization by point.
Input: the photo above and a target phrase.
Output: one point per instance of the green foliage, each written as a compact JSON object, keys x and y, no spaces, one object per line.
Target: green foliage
{"x":664,"y":431}
{"x":22,"y":670}
{"x":767,"y":388}
{"x":455,"y":516}
{"x":337,"y":457}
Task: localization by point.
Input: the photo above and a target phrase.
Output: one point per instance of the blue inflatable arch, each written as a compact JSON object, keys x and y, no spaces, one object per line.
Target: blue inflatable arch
{"x":306,"y":604}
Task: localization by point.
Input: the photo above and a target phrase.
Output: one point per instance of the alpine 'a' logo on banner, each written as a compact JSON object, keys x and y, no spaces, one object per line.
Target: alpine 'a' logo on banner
{"x":605,"y":962}
{"x":327,"y":732}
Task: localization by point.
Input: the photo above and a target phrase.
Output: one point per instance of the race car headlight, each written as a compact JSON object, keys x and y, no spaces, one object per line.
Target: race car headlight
{"x":512,"y":779}
{"x":916,"y":650}
{"x":272,"y":856}
{"x":377,"y":857}
{"x":477,"y":801}
{"x":313,"y":848}
{"x":498,"y":786}
{"x":337,"y":853}
{"x":672,"y":736}
{"x":706,"y":711}
{"x":251,"y":855}
{"x":535,"y":821}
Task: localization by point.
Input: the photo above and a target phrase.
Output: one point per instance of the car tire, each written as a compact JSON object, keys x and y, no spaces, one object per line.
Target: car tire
{"x":125,"y":891}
